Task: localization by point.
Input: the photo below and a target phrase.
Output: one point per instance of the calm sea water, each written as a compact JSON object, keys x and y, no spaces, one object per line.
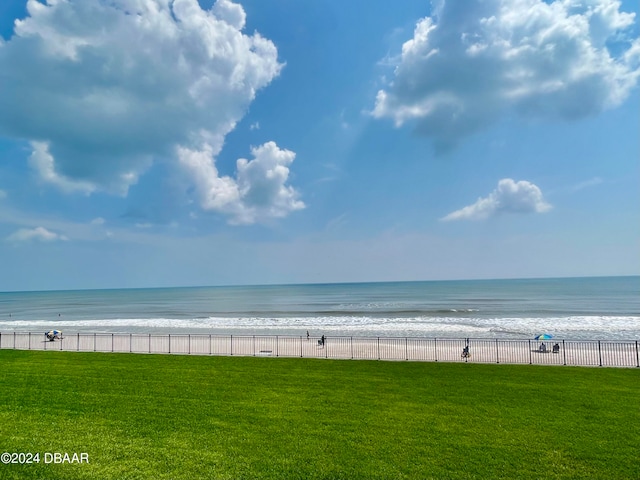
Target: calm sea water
{"x":573,"y":308}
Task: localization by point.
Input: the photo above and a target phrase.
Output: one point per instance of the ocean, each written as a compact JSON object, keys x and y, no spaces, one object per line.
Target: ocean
{"x":603,"y":308}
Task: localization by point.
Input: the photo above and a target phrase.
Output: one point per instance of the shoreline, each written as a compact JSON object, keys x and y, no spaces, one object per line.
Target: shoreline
{"x":484,"y":329}
{"x":605,"y":353}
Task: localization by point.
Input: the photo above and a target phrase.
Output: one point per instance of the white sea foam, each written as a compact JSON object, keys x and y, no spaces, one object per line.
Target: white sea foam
{"x":570,"y":327}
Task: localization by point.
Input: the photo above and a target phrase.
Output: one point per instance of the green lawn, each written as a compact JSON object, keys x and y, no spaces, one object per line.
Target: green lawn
{"x":182,"y":417}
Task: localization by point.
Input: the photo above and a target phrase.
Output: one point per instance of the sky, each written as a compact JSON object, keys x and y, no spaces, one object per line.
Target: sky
{"x":151,"y":143}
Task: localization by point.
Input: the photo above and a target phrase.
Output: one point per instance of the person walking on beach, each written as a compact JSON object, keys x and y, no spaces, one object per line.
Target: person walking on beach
{"x":307,"y":335}
{"x":465,"y":350}
{"x":322,"y":340}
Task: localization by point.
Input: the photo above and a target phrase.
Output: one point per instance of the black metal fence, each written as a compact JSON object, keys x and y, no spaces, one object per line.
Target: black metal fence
{"x":604,"y":353}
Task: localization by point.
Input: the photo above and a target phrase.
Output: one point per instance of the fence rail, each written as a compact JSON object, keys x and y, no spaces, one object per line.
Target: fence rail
{"x":603,"y":353}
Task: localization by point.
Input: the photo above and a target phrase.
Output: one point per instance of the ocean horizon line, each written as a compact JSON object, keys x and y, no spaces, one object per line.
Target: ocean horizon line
{"x":317,"y":284}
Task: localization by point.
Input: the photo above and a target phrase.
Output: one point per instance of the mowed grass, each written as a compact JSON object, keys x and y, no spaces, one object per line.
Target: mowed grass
{"x":182,"y":417}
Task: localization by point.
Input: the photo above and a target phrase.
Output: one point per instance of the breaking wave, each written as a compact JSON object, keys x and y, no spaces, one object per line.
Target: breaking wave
{"x":569,"y":327}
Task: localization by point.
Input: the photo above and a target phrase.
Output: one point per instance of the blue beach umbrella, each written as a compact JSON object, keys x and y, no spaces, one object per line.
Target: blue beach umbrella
{"x":543,"y":336}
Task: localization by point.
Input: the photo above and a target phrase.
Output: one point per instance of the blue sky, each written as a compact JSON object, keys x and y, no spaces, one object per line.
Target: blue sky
{"x":169,"y":142}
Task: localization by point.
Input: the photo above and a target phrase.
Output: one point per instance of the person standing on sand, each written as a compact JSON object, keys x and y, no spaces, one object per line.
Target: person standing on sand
{"x":307,"y":335}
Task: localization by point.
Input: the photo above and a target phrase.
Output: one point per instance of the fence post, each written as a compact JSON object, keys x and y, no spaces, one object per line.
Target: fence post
{"x":277,"y":347}
{"x":497,"y":352}
{"x":210,"y":352}
{"x":94,"y":342}
{"x":112,"y":343}
{"x":637,"y":356}
{"x":300,"y":346}
{"x":232,"y":346}
{"x":149,"y":343}
{"x":378,"y":348}
{"x":78,"y":344}
{"x":564,"y":353}
{"x":599,"y":353}
{"x":29,"y":340}
{"x":406,"y":348}
{"x":530,"y":359}
{"x":351,"y":342}
{"x":169,"y":343}
{"x":14,"y":342}
{"x":130,"y":342}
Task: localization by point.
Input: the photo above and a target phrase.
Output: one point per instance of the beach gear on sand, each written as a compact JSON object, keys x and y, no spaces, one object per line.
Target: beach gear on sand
{"x":52,"y":335}
{"x":543,"y":336}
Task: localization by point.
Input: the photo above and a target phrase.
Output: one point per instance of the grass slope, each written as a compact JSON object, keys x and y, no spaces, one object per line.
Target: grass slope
{"x":181,"y":417}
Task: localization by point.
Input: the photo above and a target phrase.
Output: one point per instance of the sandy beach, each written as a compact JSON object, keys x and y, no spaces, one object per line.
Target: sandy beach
{"x":573,"y":353}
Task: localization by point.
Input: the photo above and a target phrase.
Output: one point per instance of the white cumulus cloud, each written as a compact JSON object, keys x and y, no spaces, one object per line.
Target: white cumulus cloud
{"x":42,"y":161}
{"x":510,"y":197}
{"x":38,"y":234}
{"x":473,"y":61}
{"x":102,"y":89}
{"x":259,"y":190}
